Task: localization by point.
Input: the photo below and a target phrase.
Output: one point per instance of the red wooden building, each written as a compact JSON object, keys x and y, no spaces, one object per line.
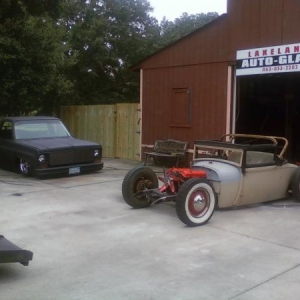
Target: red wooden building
{"x":238,"y":74}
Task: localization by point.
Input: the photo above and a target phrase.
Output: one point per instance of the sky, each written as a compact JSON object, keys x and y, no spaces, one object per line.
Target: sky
{"x":173,"y":9}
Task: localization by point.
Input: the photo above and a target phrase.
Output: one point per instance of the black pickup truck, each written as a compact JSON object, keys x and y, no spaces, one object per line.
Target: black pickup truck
{"x":10,"y":253}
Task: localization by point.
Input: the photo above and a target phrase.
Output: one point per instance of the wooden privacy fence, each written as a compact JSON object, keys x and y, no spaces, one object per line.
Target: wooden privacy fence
{"x":116,"y":127}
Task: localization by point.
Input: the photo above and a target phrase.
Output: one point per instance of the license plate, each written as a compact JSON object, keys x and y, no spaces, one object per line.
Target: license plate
{"x":74,"y":170}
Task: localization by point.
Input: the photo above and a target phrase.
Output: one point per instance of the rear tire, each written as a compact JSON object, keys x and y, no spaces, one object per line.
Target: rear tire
{"x":296,"y":184}
{"x":195,"y":202}
{"x":136,"y":180}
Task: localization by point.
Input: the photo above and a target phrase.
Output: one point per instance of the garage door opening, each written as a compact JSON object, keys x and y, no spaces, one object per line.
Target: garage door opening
{"x":270,"y":105}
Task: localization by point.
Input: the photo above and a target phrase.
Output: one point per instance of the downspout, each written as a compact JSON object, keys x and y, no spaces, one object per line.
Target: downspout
{"x":234,"y":101}
{"x":141,"y":111}
{"x":229,"y":96}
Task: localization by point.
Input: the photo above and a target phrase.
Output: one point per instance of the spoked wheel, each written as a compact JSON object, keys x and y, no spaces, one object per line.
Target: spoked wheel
{"x":295,"y":185}
{"x":195,"y":202}
{"x":136,"y":180}
{"x":25,"y":167}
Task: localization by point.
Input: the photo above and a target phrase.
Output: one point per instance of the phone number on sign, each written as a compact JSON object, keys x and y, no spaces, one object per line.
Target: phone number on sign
{"x":281,"y":68}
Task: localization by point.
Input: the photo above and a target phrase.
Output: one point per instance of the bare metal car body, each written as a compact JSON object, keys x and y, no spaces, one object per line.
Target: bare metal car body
{"x":238,"y":169}
{"x":248,"y":175}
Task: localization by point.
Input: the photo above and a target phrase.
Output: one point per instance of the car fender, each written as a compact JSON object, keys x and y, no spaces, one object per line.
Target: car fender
{"x":226,"y":178}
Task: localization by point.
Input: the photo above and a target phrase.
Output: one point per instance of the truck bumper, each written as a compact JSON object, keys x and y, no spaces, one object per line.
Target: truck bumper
{"x":68,"y":170}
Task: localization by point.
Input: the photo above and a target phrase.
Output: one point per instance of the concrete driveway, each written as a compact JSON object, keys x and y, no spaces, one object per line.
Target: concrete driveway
{"x":89,"y":244}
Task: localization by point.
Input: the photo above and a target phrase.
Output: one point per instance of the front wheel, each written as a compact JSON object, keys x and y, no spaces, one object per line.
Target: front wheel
{"x":195,"y":202}
{"x":137,"y":180}
{"x":25,"y":167}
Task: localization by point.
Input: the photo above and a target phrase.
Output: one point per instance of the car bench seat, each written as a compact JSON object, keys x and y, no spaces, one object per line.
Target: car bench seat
{"x":257,"y":157}
{"x":252,"y":157}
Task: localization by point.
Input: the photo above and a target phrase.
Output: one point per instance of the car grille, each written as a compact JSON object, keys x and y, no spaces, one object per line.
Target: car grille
{"x":69,"y":157}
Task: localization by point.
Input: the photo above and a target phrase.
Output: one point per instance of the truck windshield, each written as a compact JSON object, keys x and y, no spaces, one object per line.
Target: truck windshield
{"x":36,"y":129}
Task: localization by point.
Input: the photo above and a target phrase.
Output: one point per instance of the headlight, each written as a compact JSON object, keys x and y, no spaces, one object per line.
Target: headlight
{"x":96,"y":153}
{"x":42,"y":158}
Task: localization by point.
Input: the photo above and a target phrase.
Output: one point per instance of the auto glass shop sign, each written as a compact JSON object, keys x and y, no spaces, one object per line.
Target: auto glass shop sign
{"x":269,"y":60}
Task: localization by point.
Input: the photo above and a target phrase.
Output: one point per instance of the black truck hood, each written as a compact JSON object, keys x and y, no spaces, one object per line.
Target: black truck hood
{"x":56,"y":143}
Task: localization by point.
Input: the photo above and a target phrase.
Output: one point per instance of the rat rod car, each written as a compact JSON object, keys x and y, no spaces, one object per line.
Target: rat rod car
{"x":238,"y":169}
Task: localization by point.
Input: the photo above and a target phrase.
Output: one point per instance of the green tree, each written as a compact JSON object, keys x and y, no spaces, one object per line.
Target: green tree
{"x":173,"y":30}
{"x":107,"y":39}
{"x":32,"y":59}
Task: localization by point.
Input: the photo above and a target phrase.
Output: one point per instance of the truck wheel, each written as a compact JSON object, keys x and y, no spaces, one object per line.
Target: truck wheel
{"x":136,"y":180}
{"x":195,"y":202}
{"x":295,"y":185}
{"x":25,"y":167}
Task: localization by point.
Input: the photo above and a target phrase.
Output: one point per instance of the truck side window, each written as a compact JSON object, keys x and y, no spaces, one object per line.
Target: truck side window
{"x":6,"y":130}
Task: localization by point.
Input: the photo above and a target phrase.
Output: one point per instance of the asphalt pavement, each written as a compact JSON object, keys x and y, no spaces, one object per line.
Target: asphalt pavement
{"x":88,"y":244}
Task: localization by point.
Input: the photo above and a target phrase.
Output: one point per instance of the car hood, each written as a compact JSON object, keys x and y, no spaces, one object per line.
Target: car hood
{"x":56,"y":143}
